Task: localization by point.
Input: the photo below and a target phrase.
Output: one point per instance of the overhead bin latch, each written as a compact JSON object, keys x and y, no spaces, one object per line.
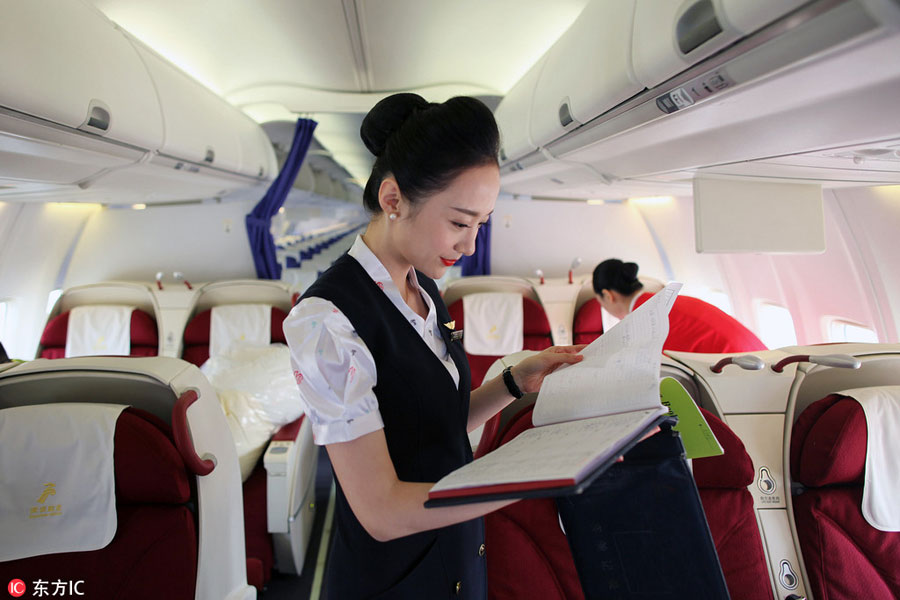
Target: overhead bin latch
{"x":97,"y":119}
{"x":565,"y":113}
{"x":696,"y":26}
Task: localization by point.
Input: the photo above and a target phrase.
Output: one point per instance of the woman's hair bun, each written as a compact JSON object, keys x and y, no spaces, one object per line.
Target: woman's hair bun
{"x":629,"y":272}
{"x":386,"y":117}
{"x":613,"y":274}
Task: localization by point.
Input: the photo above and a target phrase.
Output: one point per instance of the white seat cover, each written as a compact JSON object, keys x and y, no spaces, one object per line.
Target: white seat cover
{"x":494,"y":323}
{"x":99,"y":330}
{"x":57,"y":478}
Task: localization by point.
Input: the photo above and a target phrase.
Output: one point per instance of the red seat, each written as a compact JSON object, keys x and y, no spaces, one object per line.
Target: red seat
{"x":529,"y":556}
{"x":845,"y":557}
{"x":154,"y":553}
{"x":196,"y":335}
{"x":536,"y":329}
{"x":588,"y":324}
{"x":144,"y":335}
{"x":260,"y":551}
{"x":722,"y":482}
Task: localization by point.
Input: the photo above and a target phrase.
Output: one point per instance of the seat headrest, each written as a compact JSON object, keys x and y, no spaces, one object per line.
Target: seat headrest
{"x":589,"y":318}
{"x":534,"y":319}
{"x":197,"y":330}
{"x":143,"y":330}
{"x":733,"y":469}
{"x":828,"y":443}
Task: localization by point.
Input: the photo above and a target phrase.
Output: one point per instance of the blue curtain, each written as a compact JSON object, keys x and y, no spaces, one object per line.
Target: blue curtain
{"x":259,"y":221}
{"x":480,"y":262}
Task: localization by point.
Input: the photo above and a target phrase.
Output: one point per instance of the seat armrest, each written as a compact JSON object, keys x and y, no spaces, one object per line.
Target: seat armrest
{"x":290,"y":462}
{"x":289,"y":432}
{"x":280,"y":462}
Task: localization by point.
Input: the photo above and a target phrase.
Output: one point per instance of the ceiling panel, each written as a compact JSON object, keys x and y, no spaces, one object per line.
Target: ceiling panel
{"x":233,"y":44}
{"x":332,"y":59}
{"x":418,"y":43}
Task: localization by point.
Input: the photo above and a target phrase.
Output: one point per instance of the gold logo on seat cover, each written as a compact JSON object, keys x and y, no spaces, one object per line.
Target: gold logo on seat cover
{"x":45,"y":510}
{"x":49,"y":490}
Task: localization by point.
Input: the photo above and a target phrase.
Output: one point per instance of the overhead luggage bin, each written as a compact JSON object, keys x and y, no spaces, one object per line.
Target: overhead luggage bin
{"x":70,"y":110}
{"x":763,"y":95}
{"x":671,"y":35}
{"x":83,"y":102}
{"x":65,"y":63}
{"x":586,"y":72}
{"x":513,"y":115}
{"x":198,"y":124}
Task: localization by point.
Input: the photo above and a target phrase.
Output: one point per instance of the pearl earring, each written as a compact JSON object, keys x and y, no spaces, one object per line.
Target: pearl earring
{"x":392,"y":216}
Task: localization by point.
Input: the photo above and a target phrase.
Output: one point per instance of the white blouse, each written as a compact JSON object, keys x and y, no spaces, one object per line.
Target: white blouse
{"x":334,"y":369}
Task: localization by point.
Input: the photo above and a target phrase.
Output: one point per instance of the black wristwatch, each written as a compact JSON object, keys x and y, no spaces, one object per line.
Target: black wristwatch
{"x":511,"y":383}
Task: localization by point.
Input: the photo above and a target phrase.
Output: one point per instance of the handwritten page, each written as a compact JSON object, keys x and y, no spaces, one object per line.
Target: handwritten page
{"x":620,"y":370}
{"x":560,"y":451}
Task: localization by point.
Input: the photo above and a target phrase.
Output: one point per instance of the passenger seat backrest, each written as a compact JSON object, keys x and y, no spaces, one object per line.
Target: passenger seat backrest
{"x":196,"y":335}
{"x":529,"y":556}
{"x":722,"y":482}
{"x":588,"y":324}
{"x":144,"y":335}
{"x":156,"y":531}
{"x":186,"y":508}
{"x":536,"y":329}
{"x":845,"y":557}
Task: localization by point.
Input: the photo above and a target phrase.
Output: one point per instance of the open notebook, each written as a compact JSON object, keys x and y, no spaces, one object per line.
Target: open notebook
{"x":586,"y":416}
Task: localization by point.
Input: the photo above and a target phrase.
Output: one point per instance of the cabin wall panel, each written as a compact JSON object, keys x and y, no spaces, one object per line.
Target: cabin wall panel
{"x":206,"y":242}
{"x":673,"y":224}
{"x":811,"y":286}
{"x":829,"y":284}
{"x":37,"y":239}
{"x":873,"y":221}
{"x":752,"y":277}
{"x":546,"y":234}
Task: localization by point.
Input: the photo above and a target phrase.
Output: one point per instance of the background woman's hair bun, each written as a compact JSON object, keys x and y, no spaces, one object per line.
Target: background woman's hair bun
{"x":386,"y":117}
{"x":629,"y":272}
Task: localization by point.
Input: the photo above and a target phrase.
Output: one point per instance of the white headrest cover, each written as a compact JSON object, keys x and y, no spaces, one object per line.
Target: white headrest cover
{"x":248,"y":324}
{"x":494,"y":323}
{"x":99,"y":330}
{"x":57,"y":479}
{"x":881,"y":490}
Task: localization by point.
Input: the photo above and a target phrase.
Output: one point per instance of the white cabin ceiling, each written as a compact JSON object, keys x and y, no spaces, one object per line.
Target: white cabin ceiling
{"x":333,"y":59}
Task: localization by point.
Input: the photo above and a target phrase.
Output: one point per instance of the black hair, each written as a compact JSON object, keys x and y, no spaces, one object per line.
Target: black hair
{"x":425,"y":145}
{"x":613,"y":274}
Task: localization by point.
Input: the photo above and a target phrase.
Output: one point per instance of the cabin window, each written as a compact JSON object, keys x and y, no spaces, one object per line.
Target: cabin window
{"x":776,"y":326}
{"x":840,"y":330}
{"x":52,"y":298}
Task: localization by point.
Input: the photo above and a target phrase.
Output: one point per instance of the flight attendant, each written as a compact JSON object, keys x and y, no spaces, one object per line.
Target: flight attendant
{"x":383,"y":379}
{"x":694,"y":325}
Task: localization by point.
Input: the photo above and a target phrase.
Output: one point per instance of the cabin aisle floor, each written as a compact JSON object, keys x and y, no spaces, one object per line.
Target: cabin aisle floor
{"x":291,"y":587}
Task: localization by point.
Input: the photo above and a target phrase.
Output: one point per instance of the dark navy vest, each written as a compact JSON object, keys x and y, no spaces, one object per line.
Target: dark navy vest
{"x":425,"y":425}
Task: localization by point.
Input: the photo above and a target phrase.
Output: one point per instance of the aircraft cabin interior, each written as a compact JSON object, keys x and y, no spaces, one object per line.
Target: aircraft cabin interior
{"x":175,"y":175}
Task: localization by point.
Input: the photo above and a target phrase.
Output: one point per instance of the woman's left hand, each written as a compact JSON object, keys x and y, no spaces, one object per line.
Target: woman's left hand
{"x":529,"y":374}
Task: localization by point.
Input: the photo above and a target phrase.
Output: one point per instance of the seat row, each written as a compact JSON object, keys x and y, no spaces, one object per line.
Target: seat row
{"x":295,"y":252}
{"x":192,"y":324}
{"x":784,"y":503}
{"x":801,"y":503}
